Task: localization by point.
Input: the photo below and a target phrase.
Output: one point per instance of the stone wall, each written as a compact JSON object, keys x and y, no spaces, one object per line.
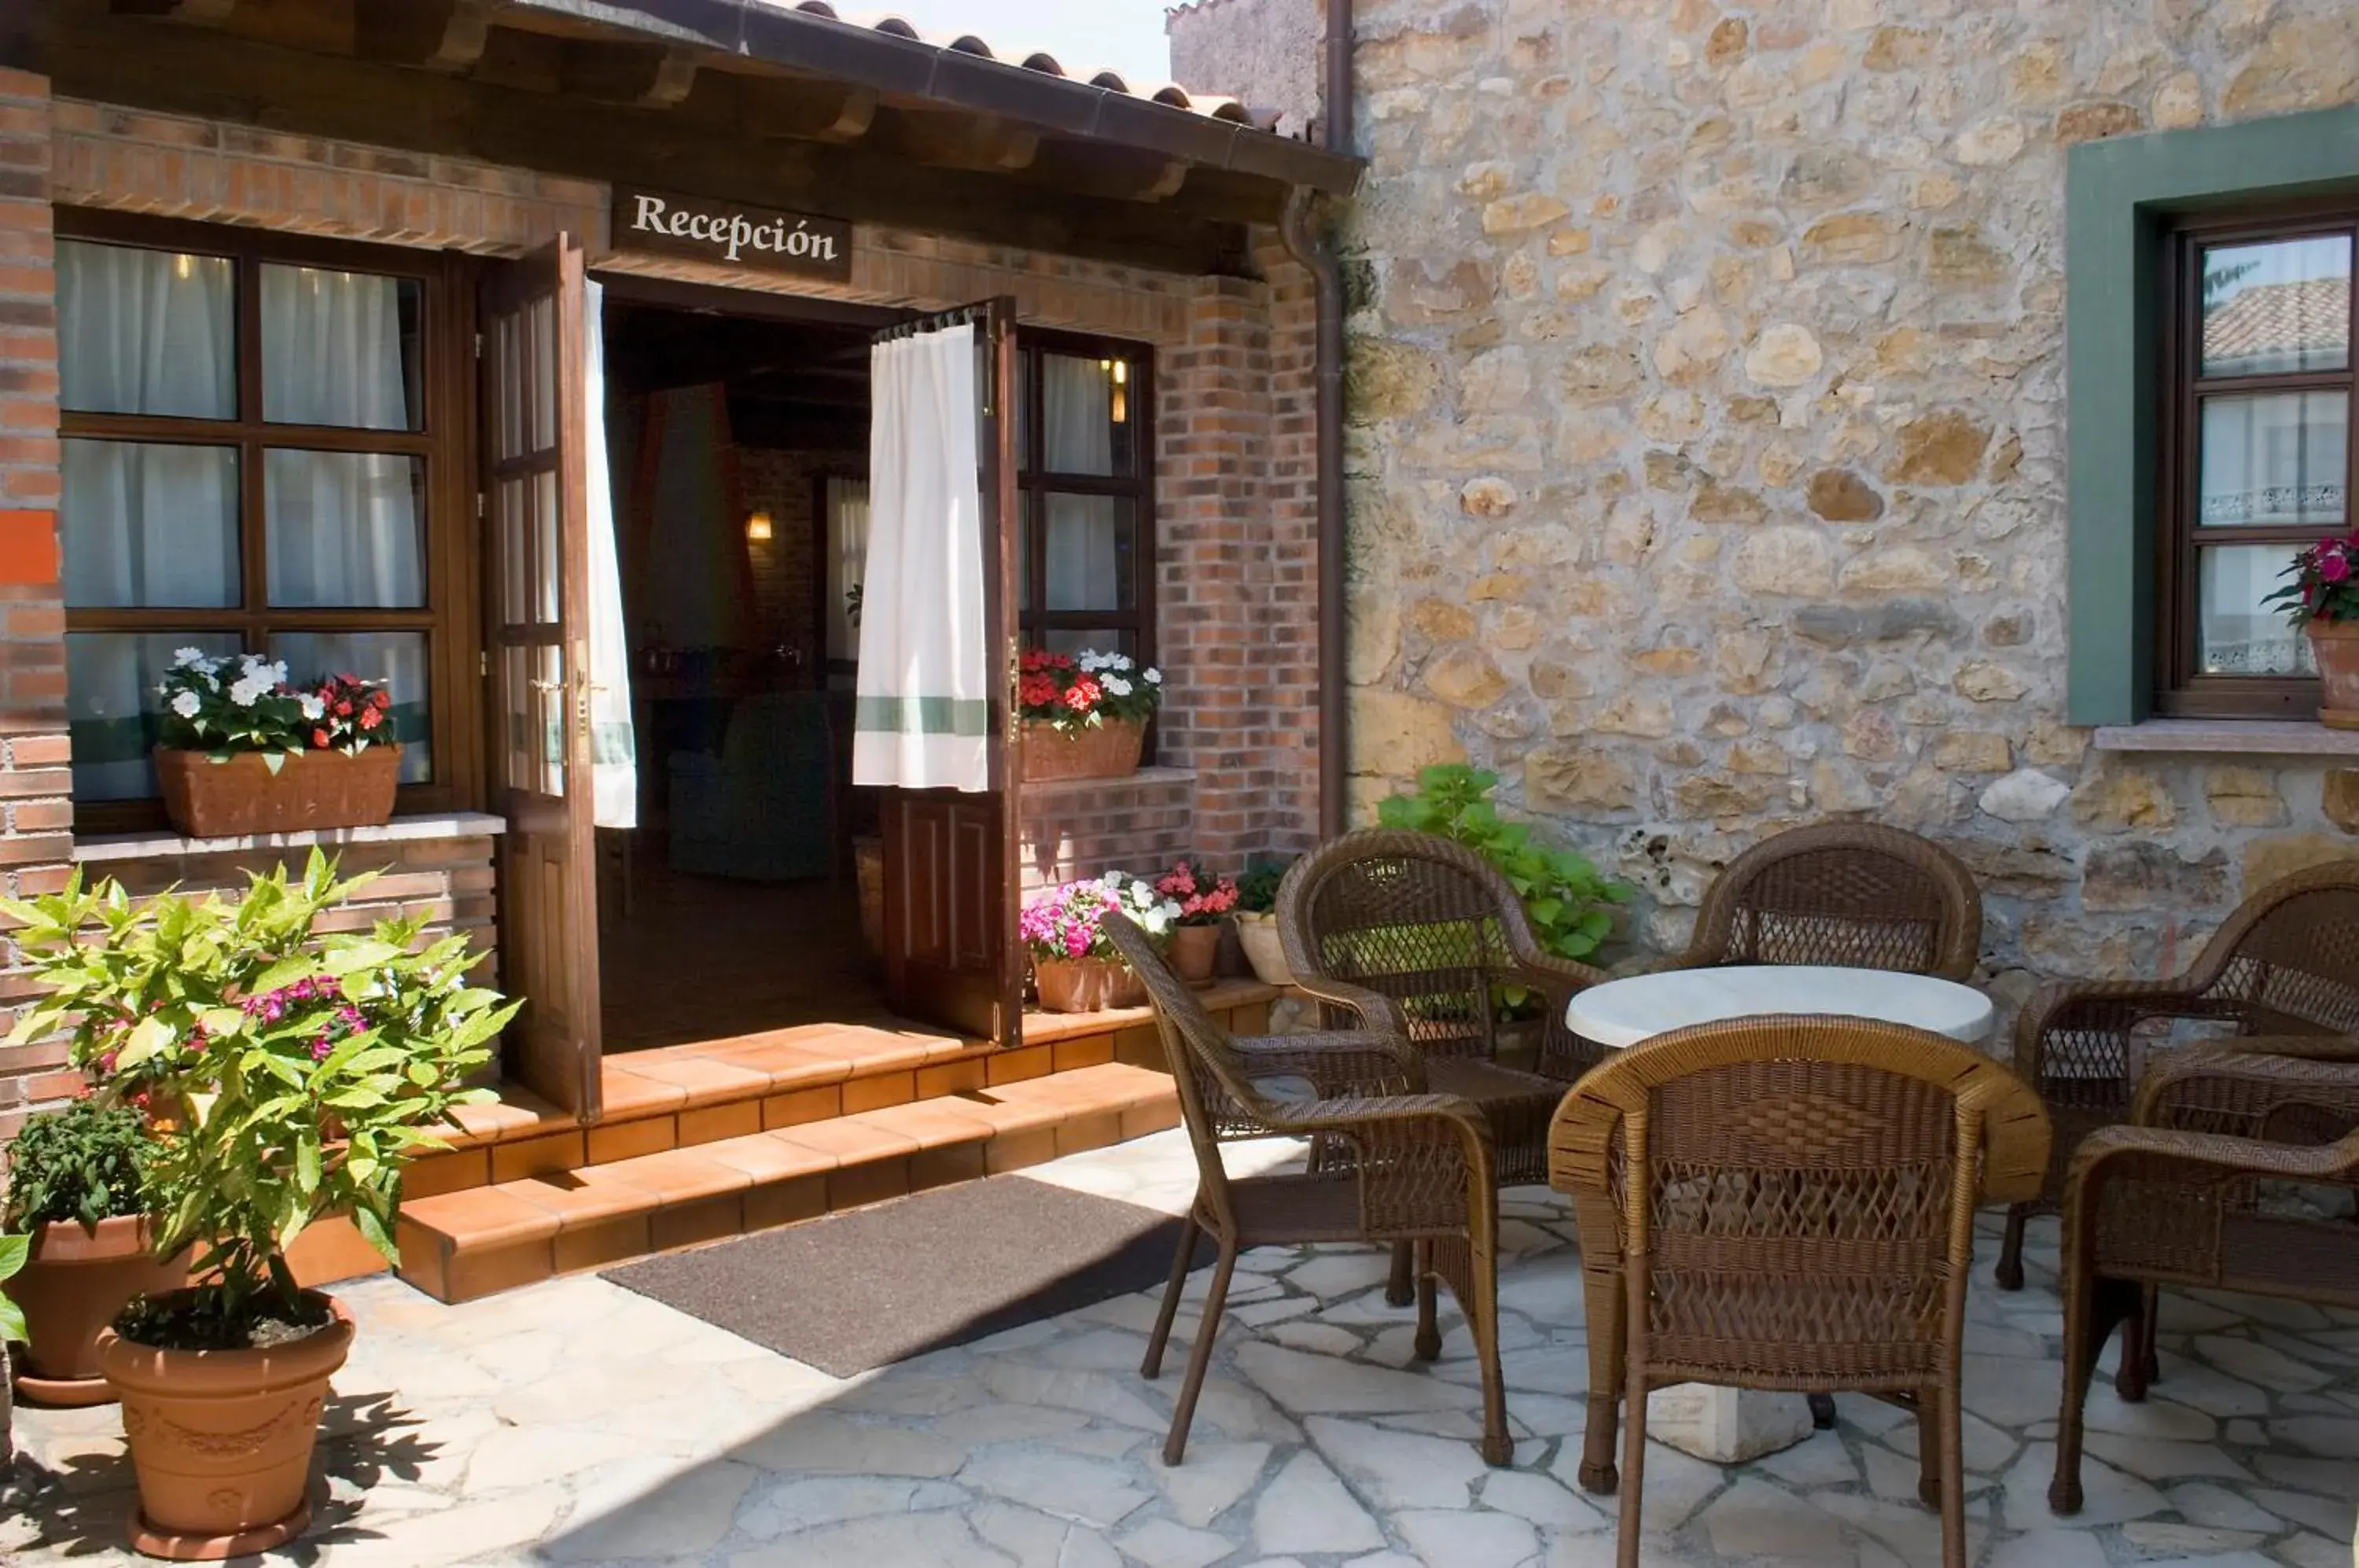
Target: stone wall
{"x":1264,"y":53}
{"x":1707,"y":458}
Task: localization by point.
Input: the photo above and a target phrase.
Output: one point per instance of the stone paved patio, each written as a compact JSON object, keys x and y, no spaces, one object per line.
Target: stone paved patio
{"x":574,"y":1423}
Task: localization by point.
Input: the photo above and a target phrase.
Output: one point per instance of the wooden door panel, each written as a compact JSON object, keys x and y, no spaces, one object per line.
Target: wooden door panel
{"x":953,"y":955}
{"x":536,"y":489}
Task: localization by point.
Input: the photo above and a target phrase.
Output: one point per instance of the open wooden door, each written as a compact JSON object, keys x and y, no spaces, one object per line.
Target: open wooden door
{"x":536,"y":489}
{"x":953,"y":957}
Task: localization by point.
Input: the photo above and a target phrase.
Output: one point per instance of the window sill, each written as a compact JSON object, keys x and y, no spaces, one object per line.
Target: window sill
{"x":1147,"y":776}
{"x":2245,"y":737}
{"x":154,"y":845}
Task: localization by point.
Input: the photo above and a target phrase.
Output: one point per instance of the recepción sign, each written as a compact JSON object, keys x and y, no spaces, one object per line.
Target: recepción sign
{"x":732,"y":233}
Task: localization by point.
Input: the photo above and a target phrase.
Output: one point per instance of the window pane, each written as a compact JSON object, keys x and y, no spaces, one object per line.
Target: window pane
{"x":2278,"y":307}
{"x":111,"y":705}
{"x":847,"y":542}
{"x":146,"y":332}
{"x":345,"y":528}
{"x":2279,"y":459}
{"x":1089,"y":544}
{"x":1104,"y":639}
{"x":341,"y":348}
{"x":149,"y":524}
{"x":1087,"y":415}
{"x":397,"y":658}
{"x":2236,"y":634}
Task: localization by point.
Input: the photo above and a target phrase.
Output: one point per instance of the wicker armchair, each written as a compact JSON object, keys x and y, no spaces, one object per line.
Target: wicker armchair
{"x":1848,"y":893}
{"x":1787,"y":1204}
{"x":2178,"y":1198}
{"x":1390,"y":1163}
{"x":2286,"y":963}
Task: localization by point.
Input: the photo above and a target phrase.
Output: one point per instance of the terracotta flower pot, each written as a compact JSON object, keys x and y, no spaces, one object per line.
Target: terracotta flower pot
{"x":2335,"y":644}
{"x":75,"y":1282}
{"x":1257,"y":934}
{"x":1087,"y":985}
{"x":1098,"y":751}
{"x":231,"y":799}
{"x":1194,"y":951}
{"x":222,"y":1440}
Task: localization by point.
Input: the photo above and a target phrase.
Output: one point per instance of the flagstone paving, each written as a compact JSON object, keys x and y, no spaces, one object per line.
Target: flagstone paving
{"x":575,"y":1423}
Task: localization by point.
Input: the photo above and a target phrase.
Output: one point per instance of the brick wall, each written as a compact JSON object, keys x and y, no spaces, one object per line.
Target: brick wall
{"x":446,"y":882}
{"x":36,"y":817}
{"x":1086,"y":827}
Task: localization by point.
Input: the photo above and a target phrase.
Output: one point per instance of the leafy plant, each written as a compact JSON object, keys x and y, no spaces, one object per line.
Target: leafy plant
{"x":2325,"y":586}
{"x":223,"y":704}
{"x":1204,"y":899}
{"x":82,"y":1164}
{"x":1568,"y":899}
{"x":1075,"y":691}
{"x":1258,"y":886}
{"x":14,"y":1251}
{"x":1061,"y":923}
{"x":291,"y":1073}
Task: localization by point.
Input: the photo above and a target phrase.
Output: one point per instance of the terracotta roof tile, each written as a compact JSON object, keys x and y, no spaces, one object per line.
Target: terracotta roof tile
{"x":1170,"y":93}
{"x":2270,"y":325}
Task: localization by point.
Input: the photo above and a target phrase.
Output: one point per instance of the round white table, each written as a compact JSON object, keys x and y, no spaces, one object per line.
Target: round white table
{"x":1731,"y":1425}
{"x":1626,"y":1012}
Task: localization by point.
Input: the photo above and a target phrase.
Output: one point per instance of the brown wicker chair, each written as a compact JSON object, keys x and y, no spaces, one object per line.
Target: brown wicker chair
{"x":1415,"y":934}
{"x":1856,"y":894}
{"x":1390,"y":1163}
{"x":2176,"y":1198}
{"x":1787,"y":1204}
{"x":2286,"y":963}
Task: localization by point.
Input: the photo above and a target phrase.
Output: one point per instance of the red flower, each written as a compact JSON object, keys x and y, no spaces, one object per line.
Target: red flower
{"x":343,"y":710}
{"x":320,"y":738}
{"x":371,"y":719}
{"x":383,"y":699}
{"x":1082,"y":695}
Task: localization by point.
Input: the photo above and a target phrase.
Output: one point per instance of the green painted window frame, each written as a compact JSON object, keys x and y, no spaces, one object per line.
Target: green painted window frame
{"x":2119,"y":195}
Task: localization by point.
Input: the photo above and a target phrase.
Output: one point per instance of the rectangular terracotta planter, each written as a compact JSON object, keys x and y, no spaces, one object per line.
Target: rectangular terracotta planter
{"x":1099,"y":751}
{"x":242,"y":796}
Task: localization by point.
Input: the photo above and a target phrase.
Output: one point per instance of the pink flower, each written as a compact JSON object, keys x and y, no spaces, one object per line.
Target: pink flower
{"x":2333,"y":565}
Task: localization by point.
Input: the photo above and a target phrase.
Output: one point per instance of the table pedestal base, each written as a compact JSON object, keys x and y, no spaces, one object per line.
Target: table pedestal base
{"x":1726,"y":1426}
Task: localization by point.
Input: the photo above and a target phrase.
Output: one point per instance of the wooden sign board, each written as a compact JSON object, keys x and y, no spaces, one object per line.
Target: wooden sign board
{"x":732,"y":233}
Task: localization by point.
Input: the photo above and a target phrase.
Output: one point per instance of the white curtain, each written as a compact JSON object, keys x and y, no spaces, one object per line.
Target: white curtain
{"x":922,"y":710}
{"x":613,"y":745}
{"x":1077,"y":435}
{"x":847,"y":535}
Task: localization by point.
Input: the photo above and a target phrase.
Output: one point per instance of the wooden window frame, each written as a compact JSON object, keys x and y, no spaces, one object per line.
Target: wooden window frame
{"x":1033,"y":482}
{"x":2181,"y":689}
{"x":445,"y":442}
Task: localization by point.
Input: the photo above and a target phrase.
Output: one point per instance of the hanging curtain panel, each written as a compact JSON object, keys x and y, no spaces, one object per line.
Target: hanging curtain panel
{"x":613,"y":745}
{"x":923,"y":708}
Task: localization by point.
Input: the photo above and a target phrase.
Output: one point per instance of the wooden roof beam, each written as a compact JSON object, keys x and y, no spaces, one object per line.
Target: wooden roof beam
{"x":836,"y":114}
{"x":438,"y":34}
{"x":982,"y":143}
{"x":204,"y":12}
{"x":636,"y":76}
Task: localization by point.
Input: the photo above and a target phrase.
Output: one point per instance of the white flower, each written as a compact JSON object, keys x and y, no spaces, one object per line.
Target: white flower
{"x":1091,"y":662}
{"x":1117,"y":685}
{"x":1154,"y":675}
{"x":186,"y":704}
{"x":313,"y":708}
{"x":185,"y":657}
{"x":245,"y":693}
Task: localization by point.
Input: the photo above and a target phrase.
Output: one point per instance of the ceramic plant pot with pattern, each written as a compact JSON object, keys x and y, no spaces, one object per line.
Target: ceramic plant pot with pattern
{"x":1257,"y":934}
{"x":222,"y":1440}
{"x":242,"y":794}
{"x":2335,"y":644}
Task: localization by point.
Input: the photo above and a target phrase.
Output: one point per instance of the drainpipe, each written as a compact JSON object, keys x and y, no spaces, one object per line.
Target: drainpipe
{"x":1307,"y":243}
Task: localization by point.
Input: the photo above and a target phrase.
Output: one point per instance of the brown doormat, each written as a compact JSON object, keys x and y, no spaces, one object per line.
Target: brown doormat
{"x":855,"y":1290}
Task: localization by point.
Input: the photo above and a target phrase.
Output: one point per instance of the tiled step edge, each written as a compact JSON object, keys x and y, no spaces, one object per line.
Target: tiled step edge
{"x":462,"y":1244}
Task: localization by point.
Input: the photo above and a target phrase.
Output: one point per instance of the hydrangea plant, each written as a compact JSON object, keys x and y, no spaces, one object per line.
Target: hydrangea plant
{"x":290,"y":1073}
{"x":1063,"y":923}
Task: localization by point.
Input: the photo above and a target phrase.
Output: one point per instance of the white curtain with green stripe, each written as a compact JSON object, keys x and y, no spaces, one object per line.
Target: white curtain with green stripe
{"x":923,"y":716}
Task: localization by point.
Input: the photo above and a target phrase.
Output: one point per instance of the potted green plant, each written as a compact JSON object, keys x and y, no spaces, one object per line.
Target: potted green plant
{"x":291,"y":1075}
{"x":13,"y":1250}
{"x":1256,"y":921}
{"x":76,"y":1190}
{"x":1084,"y":715}
{"x":1075,"y":968}
{"x":2323,"y":601}
{"x":243,"y":752}
{"x":1568,"y":902}
{"x":1204,"y":901}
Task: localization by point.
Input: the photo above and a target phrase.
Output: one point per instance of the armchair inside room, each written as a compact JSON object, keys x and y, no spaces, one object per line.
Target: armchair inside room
{"x":762,"y":810}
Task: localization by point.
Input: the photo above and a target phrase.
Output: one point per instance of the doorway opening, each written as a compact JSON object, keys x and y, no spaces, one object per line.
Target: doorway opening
{"x":738,"y":450}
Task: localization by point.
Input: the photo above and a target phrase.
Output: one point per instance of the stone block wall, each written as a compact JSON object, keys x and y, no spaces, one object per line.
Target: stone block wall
{"x":1264,"y":53}
{"x":1707,"y":458}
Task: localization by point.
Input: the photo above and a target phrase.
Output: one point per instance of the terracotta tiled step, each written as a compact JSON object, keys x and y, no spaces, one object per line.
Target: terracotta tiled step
{"x":460,"y":1245}
{"x":687,"y":1096}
